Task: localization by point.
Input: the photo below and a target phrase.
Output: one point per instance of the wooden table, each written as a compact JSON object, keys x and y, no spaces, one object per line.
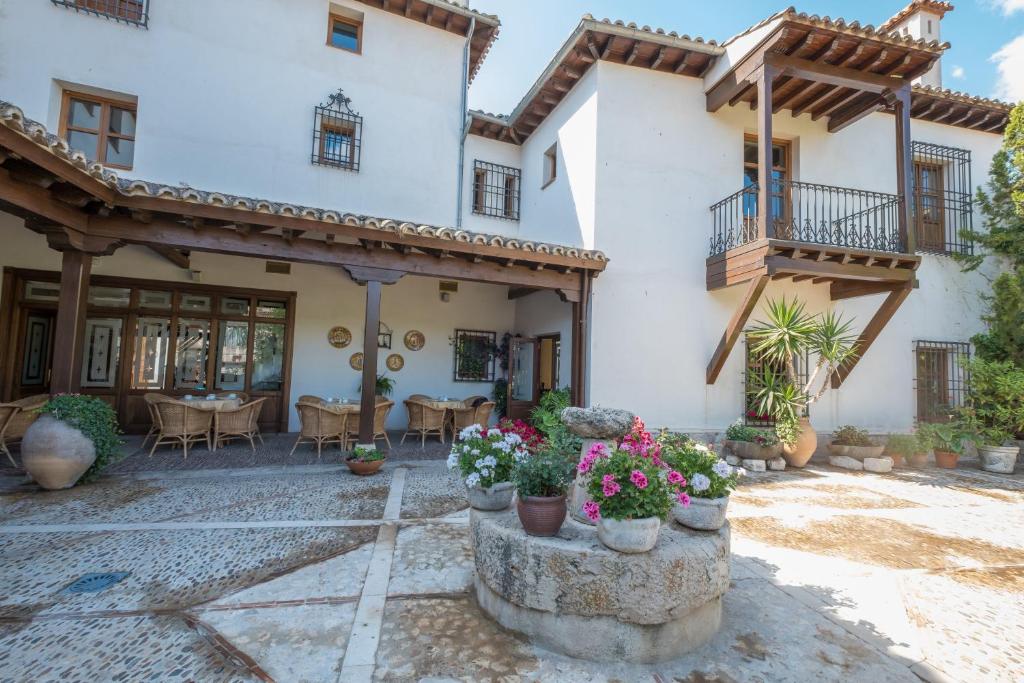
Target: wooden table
{"x":215,"y":404}
{"x":444,"y":404}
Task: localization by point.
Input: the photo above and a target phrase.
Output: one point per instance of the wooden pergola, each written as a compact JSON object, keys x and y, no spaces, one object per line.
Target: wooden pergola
{"x":84,"y":210}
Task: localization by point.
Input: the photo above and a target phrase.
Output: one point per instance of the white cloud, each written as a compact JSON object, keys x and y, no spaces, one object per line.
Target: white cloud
{"x":957,"y":72}
{"x":1008,"y":7}
{"x":1009,"y":61}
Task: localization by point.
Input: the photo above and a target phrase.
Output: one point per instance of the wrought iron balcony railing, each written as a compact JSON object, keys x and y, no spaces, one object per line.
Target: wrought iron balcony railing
{"x":812,"y":213}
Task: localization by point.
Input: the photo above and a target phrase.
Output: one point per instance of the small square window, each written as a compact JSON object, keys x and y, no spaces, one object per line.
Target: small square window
{"x":550,"y":164}
{"x":345,"y":33}
{"x":104,"y":130}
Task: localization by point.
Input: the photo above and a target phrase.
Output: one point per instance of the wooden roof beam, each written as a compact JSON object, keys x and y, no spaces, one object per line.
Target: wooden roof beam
{"x":740,"y":75}
{"x":839,"y":99}
{"x":833,"y":75}
{"x":178,"y":258}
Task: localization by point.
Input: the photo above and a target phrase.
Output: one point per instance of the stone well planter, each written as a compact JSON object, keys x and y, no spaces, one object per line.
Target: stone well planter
{"x":748,"y":450}
{"x":999,"y":459}
{"x":55,"y":454}
{"x":571,"y":594}
{"x":496,"y":497}
{"x":629,"y":535}
{"x":856,"y":452}
{"x":706,"y":514}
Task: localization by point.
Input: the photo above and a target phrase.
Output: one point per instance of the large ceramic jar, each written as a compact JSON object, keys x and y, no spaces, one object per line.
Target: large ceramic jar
{"x":705,"y":514}
{"x":495,"y":497}
{"x":999,"y":459}
{"x":55,"y":454}
{"x":800,"y":453}
{"x":629,"y":535}
{"x":541,"y":515}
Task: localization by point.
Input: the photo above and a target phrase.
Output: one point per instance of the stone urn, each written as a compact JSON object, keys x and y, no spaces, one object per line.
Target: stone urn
{"x":800,"y":453}
{"x":495,"y":497}
{"x":55,"y":454}
{"x":705,"y":514}
{"x":998,"y":459}
{"x":629,"y":535}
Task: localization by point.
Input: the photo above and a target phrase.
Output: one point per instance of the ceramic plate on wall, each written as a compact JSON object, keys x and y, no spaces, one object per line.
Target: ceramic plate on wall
{"x":414,"y":340}
{"x":356,"y":361}
{"x":339,"y":337}
{"x":395,"y":362}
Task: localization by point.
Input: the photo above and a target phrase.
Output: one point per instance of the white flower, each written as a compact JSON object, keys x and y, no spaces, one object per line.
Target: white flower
{"x":484,"y":472}
{"x":503,"y":447}
{"x":722,"y":468}
{"x":473,"y":480}
{"x":480,"y":462}
{"x":513,"y":439}
{"x":475,"y":451}
{"x":465,"y":449}
{"x":470,"y":432}
{"x":490,"y":461}
{"x":494,"y":431}
{"x":453,"y":460}
{"x":521,"y":454}
{"x":701,"y":447}
{"x":700,"y":482}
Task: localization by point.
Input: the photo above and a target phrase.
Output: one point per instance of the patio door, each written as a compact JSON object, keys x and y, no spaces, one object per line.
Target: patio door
{"x":523,"y":369}
{"x":36,"y":358}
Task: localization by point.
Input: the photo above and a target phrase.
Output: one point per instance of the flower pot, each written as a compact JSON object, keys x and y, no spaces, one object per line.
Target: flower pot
{"x":629,"y":535}
{"x":897,"y":459}
{"x":496,"y":497}
{"x":706,"y":514}
{"x":541,"y":515}
{"x":55,"y":454}
{"x":917,"y":460}
{"x":856,"y":452}
{"x":751,"y":451}
{"x":577,"y":498}
{"x":999,"y":459}
{"x":946,"y":459}
{"x":800,"y":453}
{"x":364,"y":468}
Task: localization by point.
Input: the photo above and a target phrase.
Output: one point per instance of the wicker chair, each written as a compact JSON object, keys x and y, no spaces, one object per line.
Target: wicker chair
{"x":420,"y":397}
{"x":307,"y":398}
{"x":240,"y":422}
{"x":151,"y":400}
{"x":7,"y":412}
{"x":320,"y":424}
{"x":182,"y":423}
{"x":474,"y":401}
{"x":380,"y":418}
{"x":424,"y":421}
{"x":459,"y":419}
{"x":23,"y":419}
{"x":483,"y":413}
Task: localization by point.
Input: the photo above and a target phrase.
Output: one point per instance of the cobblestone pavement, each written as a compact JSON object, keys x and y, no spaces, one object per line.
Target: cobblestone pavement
{"x":307,"y":573}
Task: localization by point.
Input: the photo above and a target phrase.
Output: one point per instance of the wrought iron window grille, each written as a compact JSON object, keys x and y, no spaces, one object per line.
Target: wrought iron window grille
{"x":133,"y":12}
{"x":337,"y":133}
{"x":941,"y":378}
{"x":942,"y":206}
{"x":496,"y":190}
{"x":752,"y":367}
{"x":475,"y":352}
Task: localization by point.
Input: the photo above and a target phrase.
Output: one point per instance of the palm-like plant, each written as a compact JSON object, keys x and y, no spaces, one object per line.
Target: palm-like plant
{"x":788,"y":334}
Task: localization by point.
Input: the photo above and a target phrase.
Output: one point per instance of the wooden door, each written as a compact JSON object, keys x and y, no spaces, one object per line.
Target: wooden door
{"x":35,"y":353}
{"x":523,"y":387}
{"x":929,"y":208}
{"x":933,"y":396}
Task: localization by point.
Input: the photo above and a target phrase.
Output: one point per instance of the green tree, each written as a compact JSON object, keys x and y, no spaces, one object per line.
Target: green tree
{"x":1004,"y":338}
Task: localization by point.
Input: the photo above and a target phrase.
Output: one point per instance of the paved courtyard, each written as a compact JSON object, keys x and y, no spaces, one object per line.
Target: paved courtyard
{"x":307,"y":573}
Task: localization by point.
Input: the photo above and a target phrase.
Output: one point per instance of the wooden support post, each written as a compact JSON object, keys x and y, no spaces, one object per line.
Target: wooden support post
{"x":580,"y":312}
{"x":765,"y":222}
{"x":904,"y":168}
{"x":871,"y":331}
{"x":368,"y":398}
{"x":735,"y":327}
{"x":69,"y":330}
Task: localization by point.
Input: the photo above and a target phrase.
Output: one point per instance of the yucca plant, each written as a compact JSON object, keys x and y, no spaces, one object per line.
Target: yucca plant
{"x":790,"y":333}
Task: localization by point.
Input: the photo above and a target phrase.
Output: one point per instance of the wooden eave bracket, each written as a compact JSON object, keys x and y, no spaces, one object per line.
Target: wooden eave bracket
{"x":897,"y":295}
{"x":735,"y":327}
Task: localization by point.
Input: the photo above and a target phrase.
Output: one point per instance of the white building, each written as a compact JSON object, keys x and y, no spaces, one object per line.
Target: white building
{"x":331,"y":146}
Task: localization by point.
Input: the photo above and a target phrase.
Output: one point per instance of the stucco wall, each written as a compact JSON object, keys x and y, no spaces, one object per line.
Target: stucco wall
{"x":543,"y":313}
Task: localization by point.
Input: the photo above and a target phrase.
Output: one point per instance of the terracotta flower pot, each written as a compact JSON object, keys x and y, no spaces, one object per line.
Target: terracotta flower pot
{"x":629,"y":535}
{"x":897,"y":459}
{"x":364,"y":467}
{"x":542,"y":515}
{"x":917,"y":460}
{"x":497,"y":497}
{"x":800,"y":453}
{"x":55,"y":454}
{"x":946,"y":459}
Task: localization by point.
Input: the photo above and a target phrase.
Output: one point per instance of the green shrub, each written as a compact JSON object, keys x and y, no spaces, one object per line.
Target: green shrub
{"x":546,"y":474}
{"x":365,"y":454}
{"x":788,"y":430}
{"x":848,"y":435}
{"x":547,"y":419}
{"x":500,"y":396}
{"x":738,"y":431}
{"x":907,"y":445}
{"x":707,"y":476}
{"x":995,"y":399}
{"x":96,"y":420}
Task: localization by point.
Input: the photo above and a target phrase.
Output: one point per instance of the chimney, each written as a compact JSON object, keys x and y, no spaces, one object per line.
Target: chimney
{"x":920,"y":20}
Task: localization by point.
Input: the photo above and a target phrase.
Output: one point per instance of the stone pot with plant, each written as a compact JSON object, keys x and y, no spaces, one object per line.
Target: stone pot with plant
{"x":909,"y":447}
{"x":365,"y":460}
{"x":945,"y":439}
{"x":74,"y":439}
{"x":485,"y":459}
{"x":541,"y":481}
{"x":752,"y":443}
{"x":708,"y":483}
{"x":789,"y":335}
{"x":994,"y":412}
{"x":854,"y":443}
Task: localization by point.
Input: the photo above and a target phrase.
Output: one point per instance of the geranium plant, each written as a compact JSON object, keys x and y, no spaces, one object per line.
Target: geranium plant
{"x":532,"y":439}
{"x":706,"y":475}
{"x":848,"y":435}
{"x":486,"y":457}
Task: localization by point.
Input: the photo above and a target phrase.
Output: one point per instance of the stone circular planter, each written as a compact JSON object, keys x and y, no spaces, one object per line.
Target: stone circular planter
{"x":800,"y":453}
{"x":496,"y":497}
{"x":999,"y":459}
{"x":629,"y":535}
{"x":571,"y":594}
{"x":55,"y":454}
{"x":706,"y":514}
{"x":749,"y":450}
{"x":541,"y":515}
{"x":364,"y":468}
{"x":856,"y":452}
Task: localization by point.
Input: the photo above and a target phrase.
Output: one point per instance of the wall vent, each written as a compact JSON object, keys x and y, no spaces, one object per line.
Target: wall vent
{"x":448,"y":286}
{"x":279,"y":267}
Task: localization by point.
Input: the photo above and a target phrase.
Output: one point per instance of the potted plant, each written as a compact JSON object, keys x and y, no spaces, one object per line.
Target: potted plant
{"x":709,"y":481}
{"x":945,"y":439}
{"x":630,"y":493}
{"x":75,"y":438}
{"x":485,"y":458}
{"x":994,"y":413}
{"x":788,"y":335}
{"x":365,"y":460}
{"x":541,"y":482}
{"x":854,"y":443}
{"x":909,"y":446}
{"x":752,"y":443}
{"x":384,"y":386}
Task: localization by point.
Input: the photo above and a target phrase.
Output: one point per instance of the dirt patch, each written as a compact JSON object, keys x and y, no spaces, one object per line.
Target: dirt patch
{"x":703,"y":677}
{"x":1008,"y":579}
{"x":751,"y":646}
{"x":882,"y":542}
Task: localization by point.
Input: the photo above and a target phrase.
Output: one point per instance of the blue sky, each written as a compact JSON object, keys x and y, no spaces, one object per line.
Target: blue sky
{"x":986,"y":57}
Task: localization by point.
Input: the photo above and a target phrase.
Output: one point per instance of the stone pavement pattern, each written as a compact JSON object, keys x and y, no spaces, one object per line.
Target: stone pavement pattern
{"x":311,"y":574}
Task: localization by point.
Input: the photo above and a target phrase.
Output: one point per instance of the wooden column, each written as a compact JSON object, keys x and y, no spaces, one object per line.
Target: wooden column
{"x":904,"y":168}
{"x":765,"y":222}
{"x":580,"y":313}
{"x":368,"y":398}
{"x":69,"y":330}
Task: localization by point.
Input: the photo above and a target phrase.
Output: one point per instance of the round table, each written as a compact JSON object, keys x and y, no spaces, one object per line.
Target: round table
{"x":215,"y":404}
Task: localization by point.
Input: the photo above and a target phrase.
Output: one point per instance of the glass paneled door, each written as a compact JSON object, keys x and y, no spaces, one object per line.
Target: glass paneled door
{"x":36,"y":354}
{"x":523,"y":389}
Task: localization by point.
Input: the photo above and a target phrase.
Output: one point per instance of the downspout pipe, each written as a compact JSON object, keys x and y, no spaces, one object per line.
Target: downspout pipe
{"x":464,"y":115}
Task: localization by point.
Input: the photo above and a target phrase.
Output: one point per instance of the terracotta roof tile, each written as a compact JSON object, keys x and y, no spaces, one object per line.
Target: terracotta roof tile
{"x":939,"y":8}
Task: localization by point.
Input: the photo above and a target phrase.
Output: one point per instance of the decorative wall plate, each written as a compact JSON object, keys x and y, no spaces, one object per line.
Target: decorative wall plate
{"x":356,"y":361}
{"x":339,"y":337}
{"x":395,"y":362}
{"x":414,"y":340}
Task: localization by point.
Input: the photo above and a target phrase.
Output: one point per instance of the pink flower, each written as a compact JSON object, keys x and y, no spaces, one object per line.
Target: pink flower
{"x":584,"y":465}
{"x":676,"y":478}
{"x":608,"y":479}
{"x":610,"y":488}
{"x":598,"y":450}
{"x":592,"y":510}
{"x":683,"y":499}
{"x":639,"y":479}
